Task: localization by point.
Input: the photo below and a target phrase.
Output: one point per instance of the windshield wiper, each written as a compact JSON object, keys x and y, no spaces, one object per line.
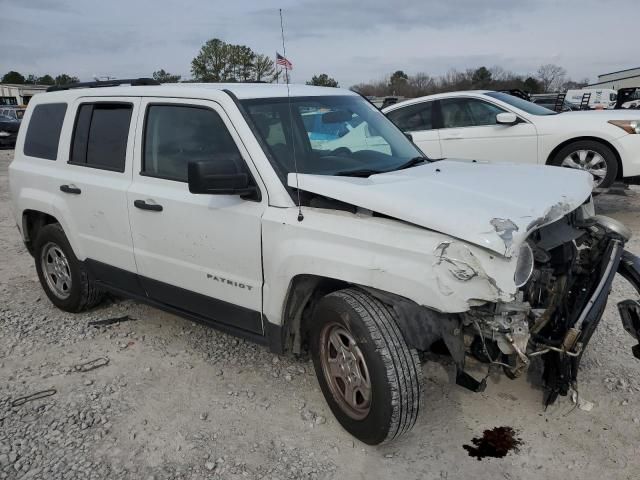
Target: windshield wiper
{"x":365,"y":172}
{"x":411,"y":163}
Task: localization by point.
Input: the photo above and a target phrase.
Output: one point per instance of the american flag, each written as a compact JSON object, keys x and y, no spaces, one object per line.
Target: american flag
{"x":282,"y":61}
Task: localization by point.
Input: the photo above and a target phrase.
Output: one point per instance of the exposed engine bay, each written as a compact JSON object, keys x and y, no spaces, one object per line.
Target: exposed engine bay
{"x":559,"y":307}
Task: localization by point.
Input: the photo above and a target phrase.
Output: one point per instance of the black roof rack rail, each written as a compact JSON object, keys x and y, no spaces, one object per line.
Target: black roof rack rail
{"x":134,"y":82}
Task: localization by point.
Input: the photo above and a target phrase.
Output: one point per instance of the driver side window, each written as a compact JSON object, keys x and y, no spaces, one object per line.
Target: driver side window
{"x":468,"y":112}
{"x":174,"y":135}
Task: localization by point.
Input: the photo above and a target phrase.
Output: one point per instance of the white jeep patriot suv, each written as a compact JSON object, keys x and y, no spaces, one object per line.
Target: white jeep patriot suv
{"x":302,"y":218}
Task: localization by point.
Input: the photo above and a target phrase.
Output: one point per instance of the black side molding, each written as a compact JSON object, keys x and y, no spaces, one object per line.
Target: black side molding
{"x":236,"y":320}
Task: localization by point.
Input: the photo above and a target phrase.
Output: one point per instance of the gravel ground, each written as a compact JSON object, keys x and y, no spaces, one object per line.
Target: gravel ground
{"x":179,"y":400}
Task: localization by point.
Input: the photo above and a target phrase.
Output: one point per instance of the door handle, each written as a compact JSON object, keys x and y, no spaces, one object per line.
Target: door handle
{"x":142,"y":205}
{"x":70,"y":189}
{"x":453,"y":137}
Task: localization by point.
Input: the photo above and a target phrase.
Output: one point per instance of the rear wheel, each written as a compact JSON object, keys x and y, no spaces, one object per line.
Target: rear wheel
{"x":369,"y":376}
{"x":62,"y":276}
{"x":590,"y":156}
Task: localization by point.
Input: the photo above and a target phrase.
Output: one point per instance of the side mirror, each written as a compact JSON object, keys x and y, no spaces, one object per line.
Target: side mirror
{"x":506,"y":118}
{"x":222,"y":176}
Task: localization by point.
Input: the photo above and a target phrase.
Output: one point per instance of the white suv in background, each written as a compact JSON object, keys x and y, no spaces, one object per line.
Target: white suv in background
{"x":310,"y":221}
{"x":498,"y":127}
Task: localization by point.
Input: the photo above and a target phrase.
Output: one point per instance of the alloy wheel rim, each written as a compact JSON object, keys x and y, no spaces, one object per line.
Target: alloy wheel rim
{"x":345,"y":371}
{"x":56,"y":270}
{"x":589,"y":161}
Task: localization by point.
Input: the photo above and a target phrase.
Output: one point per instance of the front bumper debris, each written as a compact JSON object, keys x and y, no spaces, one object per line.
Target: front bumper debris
{"x":629,"y":310}
{"x":561,"y":364}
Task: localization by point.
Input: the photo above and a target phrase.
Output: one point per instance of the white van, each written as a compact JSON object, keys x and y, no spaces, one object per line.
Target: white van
{"x":600,"y":97}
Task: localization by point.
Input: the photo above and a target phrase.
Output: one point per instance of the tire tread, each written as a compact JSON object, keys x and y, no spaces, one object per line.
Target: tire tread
{"x":402,"y":363}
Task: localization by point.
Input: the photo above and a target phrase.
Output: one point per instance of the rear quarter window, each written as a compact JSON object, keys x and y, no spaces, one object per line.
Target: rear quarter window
{"x":43,"y":132}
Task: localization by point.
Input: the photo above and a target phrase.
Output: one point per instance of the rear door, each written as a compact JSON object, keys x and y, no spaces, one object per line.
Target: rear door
{"x":418,"y":120}
{"x":469,"y":131}
{"x":94,"y":182}
{"x":198,"y":253}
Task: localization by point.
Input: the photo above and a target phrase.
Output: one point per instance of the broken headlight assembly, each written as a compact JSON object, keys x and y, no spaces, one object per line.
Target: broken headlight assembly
{"x":524,"y":265}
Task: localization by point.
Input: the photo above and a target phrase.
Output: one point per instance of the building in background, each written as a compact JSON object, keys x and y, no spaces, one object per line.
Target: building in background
{"x":14,"y":94}
{"x":617,"y":80}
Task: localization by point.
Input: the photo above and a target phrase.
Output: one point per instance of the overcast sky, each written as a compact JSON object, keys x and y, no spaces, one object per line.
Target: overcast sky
{"x":352,"y":41}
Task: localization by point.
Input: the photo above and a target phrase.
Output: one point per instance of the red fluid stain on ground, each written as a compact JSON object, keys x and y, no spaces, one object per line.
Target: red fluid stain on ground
{"x":495,"y":443}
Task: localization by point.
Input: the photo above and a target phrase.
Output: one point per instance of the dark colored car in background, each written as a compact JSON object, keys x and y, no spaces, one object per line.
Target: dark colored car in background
{"x":14,"y":112}
{"x":8,"y":131}
{"x":10,"y":119}
{"x":551,"y":102}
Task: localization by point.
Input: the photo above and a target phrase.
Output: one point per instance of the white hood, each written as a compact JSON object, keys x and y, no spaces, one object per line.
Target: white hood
{"x":495,"y":206}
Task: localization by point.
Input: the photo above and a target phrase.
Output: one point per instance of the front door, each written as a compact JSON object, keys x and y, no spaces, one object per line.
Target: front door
{"x":469,"y":131}
{"x":197,"y":253}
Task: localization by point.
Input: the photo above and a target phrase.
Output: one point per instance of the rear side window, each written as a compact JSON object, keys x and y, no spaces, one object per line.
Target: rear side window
{"x":100,"y":135}
{"x":43,"y":133}
{"x":413,"y":117}
{"x":174,"y":135}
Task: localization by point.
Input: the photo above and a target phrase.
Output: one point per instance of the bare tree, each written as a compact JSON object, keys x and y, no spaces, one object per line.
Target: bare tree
{"x":551,"y":77}
{"x":421,"y":84}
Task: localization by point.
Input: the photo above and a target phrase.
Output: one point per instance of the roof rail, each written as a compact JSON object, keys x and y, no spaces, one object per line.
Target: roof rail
{"x":134,"y":82}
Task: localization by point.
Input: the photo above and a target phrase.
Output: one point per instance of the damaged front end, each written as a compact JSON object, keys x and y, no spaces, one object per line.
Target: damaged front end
{"x":559,"y":307}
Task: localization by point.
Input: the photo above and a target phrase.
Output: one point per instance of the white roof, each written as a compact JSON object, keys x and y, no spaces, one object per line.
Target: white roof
{"x":268,"y":90}
{"x":461,"y":93}
{"x":204,"y":90}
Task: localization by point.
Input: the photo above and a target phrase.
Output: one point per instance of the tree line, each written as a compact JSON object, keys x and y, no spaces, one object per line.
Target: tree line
{"x":18,"y":78}
{"x":548,"y":78}
{"x":219,"y":61}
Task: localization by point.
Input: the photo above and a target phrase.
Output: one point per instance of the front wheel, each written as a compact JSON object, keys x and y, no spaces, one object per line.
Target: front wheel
{"x":369,"y":376}
{"x":593,"y":157}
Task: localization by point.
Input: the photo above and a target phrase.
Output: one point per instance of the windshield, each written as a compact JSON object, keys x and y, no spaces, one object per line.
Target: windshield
{"x":524,"y":105}
{"x":330,"y":135}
